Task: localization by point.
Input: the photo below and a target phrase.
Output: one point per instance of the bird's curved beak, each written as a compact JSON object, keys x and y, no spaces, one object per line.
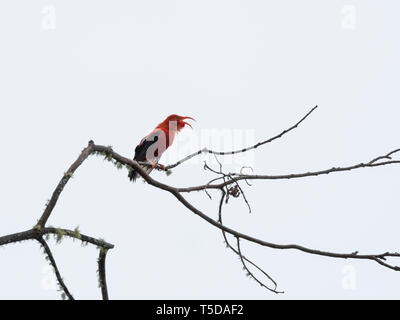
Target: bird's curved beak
{"x":186,"y":123}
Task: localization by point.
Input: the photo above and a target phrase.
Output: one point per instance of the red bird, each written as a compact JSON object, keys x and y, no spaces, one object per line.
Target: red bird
{"x":156,"y":142}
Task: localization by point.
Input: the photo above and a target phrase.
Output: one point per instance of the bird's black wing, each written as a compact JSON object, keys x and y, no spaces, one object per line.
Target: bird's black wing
{"x":144,"y":145}
{"x":142,"y":152}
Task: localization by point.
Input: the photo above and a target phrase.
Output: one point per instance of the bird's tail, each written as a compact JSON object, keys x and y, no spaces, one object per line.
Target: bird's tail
{"x":133,"y":174}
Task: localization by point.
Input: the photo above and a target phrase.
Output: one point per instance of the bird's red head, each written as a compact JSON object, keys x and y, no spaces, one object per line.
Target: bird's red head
{"x":175,"y":123}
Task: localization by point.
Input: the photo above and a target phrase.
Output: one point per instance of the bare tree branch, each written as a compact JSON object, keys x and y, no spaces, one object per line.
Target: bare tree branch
{"x":224,"y":153}
{"x":36,"y":234}
{"x":102,"y":273}
{"x":53,"y":263}
{"x":67,"y":175}
{"x":229,"y":187}
{"x":84,"y":238}
{"x":387,"y":156}
{"x":234,"y":191}
{"x":250,"y":274}
{"x":177,"y":193}
{"x":238,"y":176}
{"x":242,"y":257}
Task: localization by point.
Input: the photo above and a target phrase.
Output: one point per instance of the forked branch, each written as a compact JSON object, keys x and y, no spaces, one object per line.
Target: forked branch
{"x":227,"y":183}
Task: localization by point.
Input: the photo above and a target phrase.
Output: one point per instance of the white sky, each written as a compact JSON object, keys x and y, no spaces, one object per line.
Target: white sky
{"x":112,"y":70}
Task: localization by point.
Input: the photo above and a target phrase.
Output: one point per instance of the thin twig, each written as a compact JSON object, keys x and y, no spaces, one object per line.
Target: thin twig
{"x":239,"y":177}
{"x":56,"y":271}
{"x":387,"y":156}
{"x":242,"y":257}
{"x":250,"y":274}
{"x":224,"y":153}
{"x":227,"y":177}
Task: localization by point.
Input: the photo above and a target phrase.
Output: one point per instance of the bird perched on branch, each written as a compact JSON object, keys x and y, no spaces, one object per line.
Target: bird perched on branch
{"x":152,"y":146}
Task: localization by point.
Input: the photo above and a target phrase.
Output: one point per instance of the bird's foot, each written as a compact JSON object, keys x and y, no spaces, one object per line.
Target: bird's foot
{"x":157,"y":166}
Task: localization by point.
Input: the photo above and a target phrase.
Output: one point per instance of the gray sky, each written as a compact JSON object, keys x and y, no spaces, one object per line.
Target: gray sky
{"x":110,"y":71}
